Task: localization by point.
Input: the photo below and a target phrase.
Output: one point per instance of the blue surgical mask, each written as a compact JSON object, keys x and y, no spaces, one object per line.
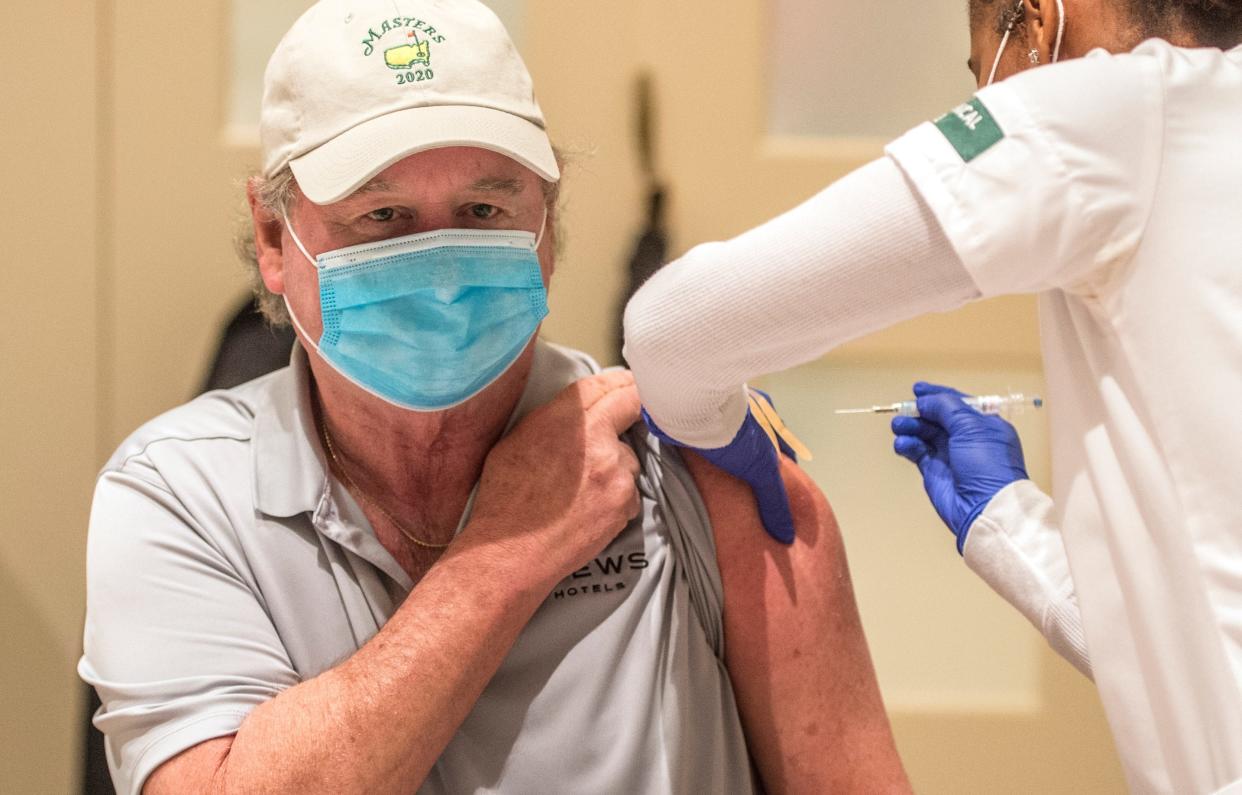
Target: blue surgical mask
{"x":428,"y":321}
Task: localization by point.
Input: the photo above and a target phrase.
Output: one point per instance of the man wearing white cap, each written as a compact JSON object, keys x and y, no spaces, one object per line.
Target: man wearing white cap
{"x":432,"y":554}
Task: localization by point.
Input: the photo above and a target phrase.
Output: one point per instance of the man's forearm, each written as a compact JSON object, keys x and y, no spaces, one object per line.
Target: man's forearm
{"x":378,"y":722}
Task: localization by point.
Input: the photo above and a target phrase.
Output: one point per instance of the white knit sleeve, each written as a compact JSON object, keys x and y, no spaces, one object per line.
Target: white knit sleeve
{"x":860,"y":256}
{"x":1016,"y":548}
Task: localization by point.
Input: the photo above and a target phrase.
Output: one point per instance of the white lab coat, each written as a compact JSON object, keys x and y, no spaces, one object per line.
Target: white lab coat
{"x":1116,"y":193}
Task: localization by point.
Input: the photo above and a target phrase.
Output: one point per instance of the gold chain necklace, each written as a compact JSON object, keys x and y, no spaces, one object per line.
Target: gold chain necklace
{"x":327,"y":442}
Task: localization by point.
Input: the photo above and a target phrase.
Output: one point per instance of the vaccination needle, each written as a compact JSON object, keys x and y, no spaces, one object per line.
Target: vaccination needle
{"x":1004,"y":405}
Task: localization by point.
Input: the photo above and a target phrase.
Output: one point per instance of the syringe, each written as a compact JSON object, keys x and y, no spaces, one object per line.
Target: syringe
{"x":1004,"y":405}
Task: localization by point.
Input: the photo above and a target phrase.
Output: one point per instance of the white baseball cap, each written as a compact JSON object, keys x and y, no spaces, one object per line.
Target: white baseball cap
{"x":357,"y":85}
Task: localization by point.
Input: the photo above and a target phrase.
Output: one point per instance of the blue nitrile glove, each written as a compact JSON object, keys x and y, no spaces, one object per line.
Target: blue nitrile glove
{"x":753,"y":458}
{"x":965,"y":457}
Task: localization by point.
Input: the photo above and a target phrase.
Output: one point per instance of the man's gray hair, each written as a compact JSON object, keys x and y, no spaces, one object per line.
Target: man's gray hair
{"x":276,"y":194}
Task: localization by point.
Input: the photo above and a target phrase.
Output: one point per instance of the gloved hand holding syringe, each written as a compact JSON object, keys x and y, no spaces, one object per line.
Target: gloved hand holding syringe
{"x":965,"y":452}
{"x":1003,"y":405}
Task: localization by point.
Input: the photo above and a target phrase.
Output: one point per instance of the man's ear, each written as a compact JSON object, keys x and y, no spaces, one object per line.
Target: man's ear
{"x":269,"y":232}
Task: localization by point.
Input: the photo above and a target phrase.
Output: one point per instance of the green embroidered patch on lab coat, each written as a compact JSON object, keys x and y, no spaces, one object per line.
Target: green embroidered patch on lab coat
{"x":971,"y":129}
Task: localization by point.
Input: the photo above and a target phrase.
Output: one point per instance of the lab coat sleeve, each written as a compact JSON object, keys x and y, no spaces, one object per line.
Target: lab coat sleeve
{"x":860,"y":255}
{"x":1017,"y":550}
{"x":1045,"y":180}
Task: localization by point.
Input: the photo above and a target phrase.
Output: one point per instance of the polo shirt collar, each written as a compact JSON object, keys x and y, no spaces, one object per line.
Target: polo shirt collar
{"x":290,"y":474}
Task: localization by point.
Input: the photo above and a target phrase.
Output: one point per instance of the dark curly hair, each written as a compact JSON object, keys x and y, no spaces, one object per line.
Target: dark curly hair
{"x":1216,"y":23}
{"x":1212,"y":23}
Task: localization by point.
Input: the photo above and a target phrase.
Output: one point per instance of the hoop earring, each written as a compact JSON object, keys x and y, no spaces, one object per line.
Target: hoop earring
{"x":1034,"y":55}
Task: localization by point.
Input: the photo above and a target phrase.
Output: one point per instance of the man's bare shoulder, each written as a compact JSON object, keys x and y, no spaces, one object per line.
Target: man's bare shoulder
{"x":794,"y":644}
{"x":735,"y":518}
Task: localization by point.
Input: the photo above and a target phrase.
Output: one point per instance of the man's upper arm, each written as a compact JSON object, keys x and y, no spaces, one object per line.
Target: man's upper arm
{"x":794,"y":644}
{"x":178,"y":647}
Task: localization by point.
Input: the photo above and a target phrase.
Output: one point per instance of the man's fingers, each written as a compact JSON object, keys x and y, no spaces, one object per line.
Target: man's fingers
{"x":619,"y":408}
{"x":586,"y":392}
{"x":629,"y":459}
{"x":636,"y":506}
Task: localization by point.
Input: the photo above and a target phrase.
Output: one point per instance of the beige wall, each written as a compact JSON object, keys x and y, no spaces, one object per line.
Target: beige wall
{"x":50,"y":210}
{"x":121,"y":189}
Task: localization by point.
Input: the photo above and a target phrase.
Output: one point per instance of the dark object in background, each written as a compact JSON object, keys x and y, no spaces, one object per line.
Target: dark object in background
{"x":249,"y":348}
{"x":650,"y":253}
{"x":651,"y":249}
{"x":96,"y":780}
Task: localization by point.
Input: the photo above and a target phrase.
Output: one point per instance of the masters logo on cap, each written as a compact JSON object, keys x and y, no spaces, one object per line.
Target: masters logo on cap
{"x":352,"y":89}
{"x":404,"y":56}
{"x":409,"y":49}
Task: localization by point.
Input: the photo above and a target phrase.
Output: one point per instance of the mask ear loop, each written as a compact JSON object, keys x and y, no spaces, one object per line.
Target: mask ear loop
{"x":298,"y":241}
{"x":1013,"y":20}
{"x":288,"y":308}
{"x":543,"y":225}
{"x":293,"y":317}
{"x":1056,"y":50}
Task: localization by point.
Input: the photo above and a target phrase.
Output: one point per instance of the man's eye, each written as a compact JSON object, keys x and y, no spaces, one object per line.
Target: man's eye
{"x":484,"y":211}
{"x":382,"y":214}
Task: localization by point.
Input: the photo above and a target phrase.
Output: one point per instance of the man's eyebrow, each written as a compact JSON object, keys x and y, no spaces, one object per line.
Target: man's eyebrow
{"x":374,"y":186}
{"x":511,"y":186}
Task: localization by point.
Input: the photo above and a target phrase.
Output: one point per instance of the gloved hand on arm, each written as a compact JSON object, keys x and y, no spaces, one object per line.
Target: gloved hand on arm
{"x":965,"y":457}
{"x":754,"y":457}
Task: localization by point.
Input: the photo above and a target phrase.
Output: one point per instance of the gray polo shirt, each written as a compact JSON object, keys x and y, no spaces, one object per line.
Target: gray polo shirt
{"x":225,"y":565}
